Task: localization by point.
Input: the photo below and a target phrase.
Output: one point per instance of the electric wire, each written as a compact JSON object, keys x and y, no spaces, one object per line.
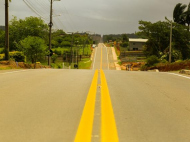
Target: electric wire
{"x":43,"y":7}
{"x":34,"y":10}
{"x":36,"y":7}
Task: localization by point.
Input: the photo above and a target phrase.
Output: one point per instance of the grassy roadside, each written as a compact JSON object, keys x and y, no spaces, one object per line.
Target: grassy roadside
{"x":85,"y":63}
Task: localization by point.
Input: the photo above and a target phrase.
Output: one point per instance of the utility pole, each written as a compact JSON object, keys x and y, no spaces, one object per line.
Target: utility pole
{"x":83,"y":46}
{"x":71,"y":56}
{"x":77,"y":56}
{"x":6,"y":29}
{"x":170,"y":50}
{"x":50,"y":27}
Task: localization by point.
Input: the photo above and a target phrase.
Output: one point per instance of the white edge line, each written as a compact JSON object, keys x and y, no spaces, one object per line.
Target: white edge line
{"x":179,"y":75}
{"x":95,"y":57}
{"x":12,"y":72}
{"x":107,"y":57}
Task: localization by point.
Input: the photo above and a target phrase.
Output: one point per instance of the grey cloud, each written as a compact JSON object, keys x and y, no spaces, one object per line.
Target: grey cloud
{"x":100,"y":16}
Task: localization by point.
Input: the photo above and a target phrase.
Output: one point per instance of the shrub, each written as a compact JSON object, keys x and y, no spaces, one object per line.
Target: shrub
{"x":54,"y":57}
{"x":152,"y":60}
{"x":66,"y":44}
{"x":125,"y":44}
{"x":60,"y":66}
{"x":164,"y":61}
{"x":144,"y":68}
{"x":2,"y":56}
{"x":53,"y":65}
{"x":58,"y":52}
{"x":57,"y":66}
{"x":17,"y":56}
{"x":2,"y":50}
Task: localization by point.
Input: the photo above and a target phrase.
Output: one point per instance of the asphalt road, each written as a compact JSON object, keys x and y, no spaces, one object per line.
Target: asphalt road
{"x":46,"y":105}
{"x":150,"y":107}
{"x":42,"y":105}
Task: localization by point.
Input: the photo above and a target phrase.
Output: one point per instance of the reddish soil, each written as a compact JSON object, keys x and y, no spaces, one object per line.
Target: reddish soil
{"x":14,"y":65}
{"x":134,"y":65}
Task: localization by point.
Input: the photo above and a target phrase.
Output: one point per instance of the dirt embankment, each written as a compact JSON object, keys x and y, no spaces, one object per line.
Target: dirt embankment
{"x":135,"y":66}
{"x":172,"y":67}
{"x":20,"y":65}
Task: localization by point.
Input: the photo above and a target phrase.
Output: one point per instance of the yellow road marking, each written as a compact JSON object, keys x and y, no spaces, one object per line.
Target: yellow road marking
{"x":108,"y":125}
{"x":84,"y":131}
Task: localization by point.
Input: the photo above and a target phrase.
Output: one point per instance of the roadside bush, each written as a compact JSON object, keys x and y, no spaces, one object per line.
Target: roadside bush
{"x":17,"y":56}
{"x":56,"y":66}
{"x":152,"y":60}
{"x":57,"y":51}
{"x":1,"y":50}
{"x":60,"y":66}
{"x":2,"y":57}
{"x":164,"y":61}
{"x":144,"y":68}
{"x":66,"y":44}
{"x":54,"y":57}
{"x":124,"y":44}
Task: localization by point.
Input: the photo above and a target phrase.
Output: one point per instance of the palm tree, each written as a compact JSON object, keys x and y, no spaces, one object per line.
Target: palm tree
{"x":187,"y":18}
{"x":179,"y":15}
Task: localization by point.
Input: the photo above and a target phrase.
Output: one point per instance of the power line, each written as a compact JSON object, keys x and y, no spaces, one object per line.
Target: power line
{"x":41,"y":8}
{"x":34,"y":10}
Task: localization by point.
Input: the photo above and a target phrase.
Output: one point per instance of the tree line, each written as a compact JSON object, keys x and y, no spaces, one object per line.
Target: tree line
{"x":30,"y":36}
{"x":158,"y":35}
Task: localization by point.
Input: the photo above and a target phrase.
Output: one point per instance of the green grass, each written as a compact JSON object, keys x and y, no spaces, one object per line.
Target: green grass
{"x":61,"y":50}
{"x":87,"y":50}
{"x":120,"y":63}
{"x":5,"y":68}
{"x":117,"y":51}
{"x":85,"y":63}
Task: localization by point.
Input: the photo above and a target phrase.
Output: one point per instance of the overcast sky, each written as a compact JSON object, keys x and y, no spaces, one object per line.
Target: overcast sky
{"x":96,"y":16}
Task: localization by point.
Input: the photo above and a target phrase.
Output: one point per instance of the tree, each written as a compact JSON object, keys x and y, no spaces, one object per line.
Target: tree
{"x":158,"y":38}
{"x":61,"y":39}
{"x":187,"y":13}
{"x":152,"y":60}
{"x":30,"y":26}
{"x":125,"y":40}
{"x":54,"y":57}
{"x":2,"y":38}
{"x":158,"y":35}
{"x":34,"y":48}
{"x":179,"y":15}
{"x":181,"y":40}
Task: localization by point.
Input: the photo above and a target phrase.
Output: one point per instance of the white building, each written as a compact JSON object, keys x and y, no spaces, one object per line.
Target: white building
{"x":136,"y":44}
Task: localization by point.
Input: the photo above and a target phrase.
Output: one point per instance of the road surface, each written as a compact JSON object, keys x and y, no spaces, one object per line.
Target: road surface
{"x":98,"y":105}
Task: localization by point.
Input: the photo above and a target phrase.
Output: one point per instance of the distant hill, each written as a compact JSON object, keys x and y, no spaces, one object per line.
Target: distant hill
{"x":2,"y":27}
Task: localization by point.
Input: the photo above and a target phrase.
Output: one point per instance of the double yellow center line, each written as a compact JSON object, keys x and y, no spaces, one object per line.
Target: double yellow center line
{"x":108,"y":125}
{"x":84,"y":131}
